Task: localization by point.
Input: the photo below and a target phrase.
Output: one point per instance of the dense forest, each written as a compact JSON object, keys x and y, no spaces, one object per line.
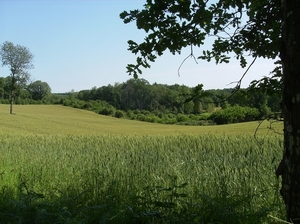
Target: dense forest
{"x":137,"y":99}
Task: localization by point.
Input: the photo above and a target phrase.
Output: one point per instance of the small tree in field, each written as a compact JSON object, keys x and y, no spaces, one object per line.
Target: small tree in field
{"x":19,"y":60}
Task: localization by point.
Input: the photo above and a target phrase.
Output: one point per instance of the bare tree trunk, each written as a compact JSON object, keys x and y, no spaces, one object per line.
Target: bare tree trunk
{"x":12,"y":93}
{"x":11,"y":103}
{"x":290,"y":56}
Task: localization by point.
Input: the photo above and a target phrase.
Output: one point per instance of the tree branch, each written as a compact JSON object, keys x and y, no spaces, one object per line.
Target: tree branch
{"x":190,"y":55}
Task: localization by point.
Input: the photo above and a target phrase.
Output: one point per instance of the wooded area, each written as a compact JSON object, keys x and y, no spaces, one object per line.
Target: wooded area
{"x":137,"y":99}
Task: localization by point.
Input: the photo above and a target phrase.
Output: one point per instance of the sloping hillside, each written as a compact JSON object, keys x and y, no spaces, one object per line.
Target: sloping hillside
{"x":56,"y":119}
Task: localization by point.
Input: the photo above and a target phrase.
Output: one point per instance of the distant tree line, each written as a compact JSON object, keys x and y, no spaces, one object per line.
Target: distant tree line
{"x":137,"y":99}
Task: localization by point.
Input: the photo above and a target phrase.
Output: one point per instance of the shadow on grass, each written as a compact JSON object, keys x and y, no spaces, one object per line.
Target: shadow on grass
{"x":155,"y":204}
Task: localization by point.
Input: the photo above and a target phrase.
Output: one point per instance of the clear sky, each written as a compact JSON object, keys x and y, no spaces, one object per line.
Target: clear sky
{"x":79,"y":44}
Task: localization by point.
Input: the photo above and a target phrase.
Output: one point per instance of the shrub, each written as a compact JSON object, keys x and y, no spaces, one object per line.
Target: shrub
{"x":182,"y":118}
{"x":130,"y":114}
{"x":87,"y":105}
{"x":153,"y":119}
{"x":170,"y":121}
{"x":137,"y":111}
{"x":204,"y":116}
{"x":145,"y":112}
{"x":109,"y":111}
{"x":234,"y":114}
{"x":141,"y":117}
{"x":158,"y":113}
{"x":4,"y":101}
{"x":119,"y":114}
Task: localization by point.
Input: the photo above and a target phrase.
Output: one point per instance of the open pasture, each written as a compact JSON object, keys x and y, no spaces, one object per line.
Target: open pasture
{"x":56,"y":119}
{"x":74,"y":166}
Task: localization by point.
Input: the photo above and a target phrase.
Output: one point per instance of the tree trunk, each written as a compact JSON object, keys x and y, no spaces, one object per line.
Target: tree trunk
{"x":290,"y":56}
{"x":11,"y":101}
{"x":12,"y":93}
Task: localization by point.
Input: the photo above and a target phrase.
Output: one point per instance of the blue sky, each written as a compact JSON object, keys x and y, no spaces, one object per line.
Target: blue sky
{"x":79,"y":44}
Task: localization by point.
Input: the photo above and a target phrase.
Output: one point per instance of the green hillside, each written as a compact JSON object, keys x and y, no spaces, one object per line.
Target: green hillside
{"x":65,"y":165}
{"x":56,"y":119}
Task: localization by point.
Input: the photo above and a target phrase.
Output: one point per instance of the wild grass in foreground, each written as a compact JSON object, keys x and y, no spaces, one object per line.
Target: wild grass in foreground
{"x":139,"y":179}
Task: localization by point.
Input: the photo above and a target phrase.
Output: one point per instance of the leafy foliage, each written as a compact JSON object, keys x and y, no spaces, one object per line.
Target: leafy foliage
{"x":19,"y":60}
{"x":39,"y":89}
{"x":136,"y":99}
{"x":241,"y":27}
{"x":234,"y":114}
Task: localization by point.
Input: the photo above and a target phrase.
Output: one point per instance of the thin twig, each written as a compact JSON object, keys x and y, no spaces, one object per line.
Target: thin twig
{"x":279,"y":220}
{"x":190,"y":55}
{"x":270,"y":127}
{"x":256,"y":130}
{"x":240,"y":81}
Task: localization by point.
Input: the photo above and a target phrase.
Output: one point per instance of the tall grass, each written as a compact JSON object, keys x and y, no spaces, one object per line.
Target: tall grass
{"x":138,"y":178}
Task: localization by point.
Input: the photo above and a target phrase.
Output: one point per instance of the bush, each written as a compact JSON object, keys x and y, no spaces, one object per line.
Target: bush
{"x":182,"y":118}
{"x":108,"y":111}
{"x":145,"y":112}
{"x":141,"y":117}
{"x":158,"y":113}
{"x":130,"y":115}
{"x":4,"y":101}
{"x":197,"y":123}
{"x":153,"y":119}
{"x":169,"y":121}
{"x":234,"y":114}
{"x":87,"y":105}
{"x":171,"y":115}
{"x":137,"y":111}
{"x":119,"y":114}
{"x":204,"y":116}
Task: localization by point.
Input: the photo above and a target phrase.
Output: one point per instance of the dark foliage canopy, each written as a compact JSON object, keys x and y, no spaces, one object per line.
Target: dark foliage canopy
{"x":240,"y":28}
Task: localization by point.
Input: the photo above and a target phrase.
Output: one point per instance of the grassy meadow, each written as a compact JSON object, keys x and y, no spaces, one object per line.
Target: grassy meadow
{"x":63,"y":165}
{"x":57,"y":119}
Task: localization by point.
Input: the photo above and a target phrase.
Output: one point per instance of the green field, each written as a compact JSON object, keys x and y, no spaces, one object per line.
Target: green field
{"x":49,"y":119}
{"x":63,"y":165}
